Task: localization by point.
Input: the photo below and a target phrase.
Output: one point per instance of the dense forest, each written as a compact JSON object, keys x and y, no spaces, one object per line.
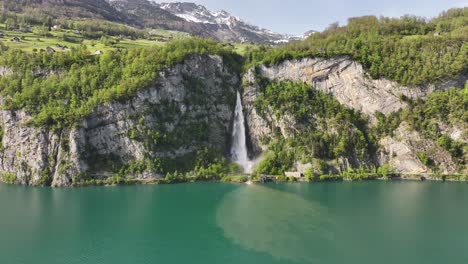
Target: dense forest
{"x":409,"y":50}
{"x":91,"y":28}
{"x":59,"y":89}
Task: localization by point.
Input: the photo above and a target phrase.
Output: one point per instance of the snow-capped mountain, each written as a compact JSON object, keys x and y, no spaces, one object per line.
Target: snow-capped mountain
{"x":197,"y":20}
{"x":224,"y":26}
{"x":198,"y":13}
{"x":194,"y":19}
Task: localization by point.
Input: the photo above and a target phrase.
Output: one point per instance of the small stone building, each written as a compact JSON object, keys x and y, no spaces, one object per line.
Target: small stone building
{"x":293,"y":174}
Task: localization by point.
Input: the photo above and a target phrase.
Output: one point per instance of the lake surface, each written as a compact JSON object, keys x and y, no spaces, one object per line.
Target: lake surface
{"x":330,"y":223}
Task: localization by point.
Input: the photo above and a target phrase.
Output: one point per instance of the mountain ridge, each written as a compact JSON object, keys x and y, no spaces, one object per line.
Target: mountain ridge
{"x":188,"y":17}
{"x":200,"y":21}
{"x":67,"y":8}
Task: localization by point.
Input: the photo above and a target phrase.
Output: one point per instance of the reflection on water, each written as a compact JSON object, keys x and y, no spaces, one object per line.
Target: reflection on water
{"x":278,"y":223}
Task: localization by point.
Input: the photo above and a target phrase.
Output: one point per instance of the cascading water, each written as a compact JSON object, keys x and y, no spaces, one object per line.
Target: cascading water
{"x":239,"y":146}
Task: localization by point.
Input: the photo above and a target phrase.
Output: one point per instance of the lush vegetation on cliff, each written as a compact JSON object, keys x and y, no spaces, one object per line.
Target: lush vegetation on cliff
{"x":313,"y":126}
{"x":59,"y":89}
{"x":434,"y":117}
{"x":409,"y":50}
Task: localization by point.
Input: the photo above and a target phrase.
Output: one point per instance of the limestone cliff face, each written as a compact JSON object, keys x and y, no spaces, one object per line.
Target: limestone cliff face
{"x":401,"y":152}
{"x":189,"y":107}
{"x":30,"y":152}
{"x":347,"y":81}
{"x":258,"y":127}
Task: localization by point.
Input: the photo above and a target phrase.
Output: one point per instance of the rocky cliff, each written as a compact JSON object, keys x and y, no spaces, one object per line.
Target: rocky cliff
{"x":401,"y":152}
{"x":347,"y":82}
{"x":188,"y":108}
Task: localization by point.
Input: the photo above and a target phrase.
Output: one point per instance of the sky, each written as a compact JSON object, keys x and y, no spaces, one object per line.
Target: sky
{"x":299,"y":16}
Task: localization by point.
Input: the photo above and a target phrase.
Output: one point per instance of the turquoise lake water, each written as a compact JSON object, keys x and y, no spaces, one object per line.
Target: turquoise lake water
{"x":330,"y":223}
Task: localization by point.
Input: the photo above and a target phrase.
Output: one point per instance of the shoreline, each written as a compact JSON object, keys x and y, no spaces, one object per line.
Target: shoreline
{"x":262,"y":180}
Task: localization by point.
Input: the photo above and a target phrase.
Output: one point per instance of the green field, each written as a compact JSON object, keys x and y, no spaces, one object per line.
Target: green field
{"x":36,"y":41}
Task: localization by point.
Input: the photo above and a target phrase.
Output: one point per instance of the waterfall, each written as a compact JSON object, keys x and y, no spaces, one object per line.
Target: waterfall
{"x":239,"y":146}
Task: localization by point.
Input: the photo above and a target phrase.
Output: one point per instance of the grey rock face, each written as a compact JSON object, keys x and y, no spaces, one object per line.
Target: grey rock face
{"x":5,"y":71}
{"x":346,"y":80}
{"x":258,"y":127}
{"x":401,"y":152}
{"x":39,"y":156}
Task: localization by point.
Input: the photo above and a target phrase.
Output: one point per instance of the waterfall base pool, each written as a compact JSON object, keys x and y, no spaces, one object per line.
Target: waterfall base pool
{"x":330,"y":223}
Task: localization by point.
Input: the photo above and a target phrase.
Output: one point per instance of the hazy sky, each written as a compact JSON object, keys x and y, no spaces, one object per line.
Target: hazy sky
{"x":299,"y":16}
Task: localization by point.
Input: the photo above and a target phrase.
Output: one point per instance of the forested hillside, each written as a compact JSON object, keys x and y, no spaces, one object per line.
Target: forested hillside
{"x":59,"y":89}
{"x":410,"y":50}
{"x":309,"y":127}
{"x":36,"y":10}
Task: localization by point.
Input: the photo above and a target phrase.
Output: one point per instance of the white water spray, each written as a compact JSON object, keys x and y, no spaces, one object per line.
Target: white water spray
{"x":239,"y":146}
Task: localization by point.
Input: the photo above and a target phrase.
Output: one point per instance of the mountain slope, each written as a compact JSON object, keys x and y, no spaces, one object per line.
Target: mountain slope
{"x":66,"y":8}
{"x":224,"y":26}
{"x":191,"y":18}
{"x":150,"y":15}
{"x":196,"y":20}
{"x":146,"y":13}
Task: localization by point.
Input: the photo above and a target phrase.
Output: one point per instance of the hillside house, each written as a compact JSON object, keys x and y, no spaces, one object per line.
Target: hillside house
{"x":294,"y":174}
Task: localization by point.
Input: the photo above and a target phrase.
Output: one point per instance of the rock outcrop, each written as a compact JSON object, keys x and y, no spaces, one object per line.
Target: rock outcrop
{"x":258,"y":127}
{"x":194,"y":100}
{"x":403,"y":149}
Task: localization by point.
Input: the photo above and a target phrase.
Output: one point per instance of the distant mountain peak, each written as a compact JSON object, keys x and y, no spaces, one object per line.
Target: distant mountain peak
{"x":192,"y":18}
{"x":224,"y":25}
{"x":199,"y":14}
